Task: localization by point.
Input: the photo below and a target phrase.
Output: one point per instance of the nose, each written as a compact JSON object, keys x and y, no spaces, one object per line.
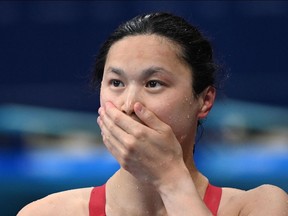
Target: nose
{"x":129,"y":98}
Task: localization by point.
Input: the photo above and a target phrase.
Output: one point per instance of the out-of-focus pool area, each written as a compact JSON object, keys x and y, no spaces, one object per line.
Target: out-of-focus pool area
{"x":45,"y":150}
{"x":49,"y":138}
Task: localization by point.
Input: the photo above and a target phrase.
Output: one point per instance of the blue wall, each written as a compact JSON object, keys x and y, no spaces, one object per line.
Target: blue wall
{"x":47,"y":48}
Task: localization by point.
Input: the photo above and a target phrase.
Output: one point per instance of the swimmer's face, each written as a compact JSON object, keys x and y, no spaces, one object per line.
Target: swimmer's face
{"x":148,"y":69}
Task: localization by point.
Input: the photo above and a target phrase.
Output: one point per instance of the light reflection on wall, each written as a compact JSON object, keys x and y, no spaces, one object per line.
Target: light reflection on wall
{"x":49,"y":138}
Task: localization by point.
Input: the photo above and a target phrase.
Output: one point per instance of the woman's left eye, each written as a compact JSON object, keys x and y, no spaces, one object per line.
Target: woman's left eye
{"x":154,"y":83}
{"x":116,"y":83}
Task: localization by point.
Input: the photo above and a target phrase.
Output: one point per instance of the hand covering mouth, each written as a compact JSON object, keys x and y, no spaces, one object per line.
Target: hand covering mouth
{"x":135,"y":117}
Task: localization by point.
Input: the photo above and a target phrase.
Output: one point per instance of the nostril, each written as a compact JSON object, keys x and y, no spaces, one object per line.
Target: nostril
{"x":128,"y":113}
{"x":127,"y":108}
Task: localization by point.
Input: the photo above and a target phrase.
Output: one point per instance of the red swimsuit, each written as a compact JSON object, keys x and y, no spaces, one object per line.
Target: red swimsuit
{"x":97,"y":200}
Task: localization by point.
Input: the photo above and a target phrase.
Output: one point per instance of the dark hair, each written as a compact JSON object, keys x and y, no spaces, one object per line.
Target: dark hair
{"x":196,"y":51}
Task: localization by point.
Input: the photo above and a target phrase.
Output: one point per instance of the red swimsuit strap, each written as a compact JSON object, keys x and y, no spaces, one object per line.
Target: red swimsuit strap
{"x":212,"y":198}
{"x":97,"y":201}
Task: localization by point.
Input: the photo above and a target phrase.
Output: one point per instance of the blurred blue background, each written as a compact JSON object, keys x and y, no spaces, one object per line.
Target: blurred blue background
{"x":49,"y":139}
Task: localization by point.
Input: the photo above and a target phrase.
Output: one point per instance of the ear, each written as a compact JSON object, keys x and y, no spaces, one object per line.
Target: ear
{"x":207,"y":98}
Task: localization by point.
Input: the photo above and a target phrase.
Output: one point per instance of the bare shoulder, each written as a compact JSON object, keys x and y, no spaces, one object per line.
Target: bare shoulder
{"x":71,"y":202}
{"x":267,"y":200}
{"x":263,"y":200}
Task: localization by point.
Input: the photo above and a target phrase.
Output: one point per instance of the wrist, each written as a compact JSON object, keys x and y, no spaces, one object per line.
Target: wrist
{"x":177,"y":179}
{"x":180,"y":196}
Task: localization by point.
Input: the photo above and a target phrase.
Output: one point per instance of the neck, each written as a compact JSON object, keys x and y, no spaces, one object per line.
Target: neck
{"x":123,"y":188}
{"x":125,"y":195}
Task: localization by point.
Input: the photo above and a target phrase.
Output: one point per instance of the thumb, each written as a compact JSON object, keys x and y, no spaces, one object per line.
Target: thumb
{"x":148,"y":117}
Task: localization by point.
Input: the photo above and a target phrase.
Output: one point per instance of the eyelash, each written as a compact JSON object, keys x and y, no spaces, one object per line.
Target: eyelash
{"x":116,"y":83}
{"x":154,"y":82}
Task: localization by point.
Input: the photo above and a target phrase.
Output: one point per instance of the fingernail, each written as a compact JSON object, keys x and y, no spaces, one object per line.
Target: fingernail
{"x":100,"y":110}
{"x":138,"y":107}
{"x":109,"y":104}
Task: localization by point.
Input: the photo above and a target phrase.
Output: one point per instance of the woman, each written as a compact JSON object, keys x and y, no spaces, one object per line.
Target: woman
{"x":157,"y":82}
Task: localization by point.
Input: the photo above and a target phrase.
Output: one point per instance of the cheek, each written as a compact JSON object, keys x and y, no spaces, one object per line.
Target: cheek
{"x":182,"y":118}
{"x":104,"y":96}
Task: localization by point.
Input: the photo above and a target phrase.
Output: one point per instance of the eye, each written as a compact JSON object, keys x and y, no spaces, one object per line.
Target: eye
{"x":116,"y":83}
{"x":154,"y":84}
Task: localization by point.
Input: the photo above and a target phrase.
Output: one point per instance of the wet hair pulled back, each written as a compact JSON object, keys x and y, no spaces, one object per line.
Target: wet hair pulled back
{"x":195,"y":50}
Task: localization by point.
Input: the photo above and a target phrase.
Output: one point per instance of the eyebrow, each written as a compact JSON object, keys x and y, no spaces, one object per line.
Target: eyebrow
{"x":144,"y":73}
{"x":117,"y":71}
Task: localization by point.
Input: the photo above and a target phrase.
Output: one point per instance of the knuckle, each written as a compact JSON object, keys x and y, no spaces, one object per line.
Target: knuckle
{"x":130,"y":146}
{"x":125,"y":160}
{"x":149,"y":118}
{"x":125,"y":157}
{"x":138,"y":133}
{"x":167,"y":129}
{"x":117,"y":118}
{"x":111,"y":127}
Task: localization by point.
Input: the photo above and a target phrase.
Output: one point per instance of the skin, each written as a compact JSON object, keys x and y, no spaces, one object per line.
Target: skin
{"x":148,"y":118}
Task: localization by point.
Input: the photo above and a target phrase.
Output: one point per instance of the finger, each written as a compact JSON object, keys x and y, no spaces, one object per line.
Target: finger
{"x":108,"y":127}
{"x":118,"y":147}
{"x":112,"y":144}
{"x":113,"y":131}
{"x":125,"y":122}
{"x":148,"y":117}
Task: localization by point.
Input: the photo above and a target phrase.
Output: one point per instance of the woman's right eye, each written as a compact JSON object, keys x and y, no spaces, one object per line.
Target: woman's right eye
{"x":116,"y":83}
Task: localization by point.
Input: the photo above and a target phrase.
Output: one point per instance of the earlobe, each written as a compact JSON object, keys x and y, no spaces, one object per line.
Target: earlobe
{"x":207,"y":101}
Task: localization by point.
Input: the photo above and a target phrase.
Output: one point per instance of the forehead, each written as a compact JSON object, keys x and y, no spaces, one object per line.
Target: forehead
{"x":135,"y":54}
{"x":139,"y":45}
